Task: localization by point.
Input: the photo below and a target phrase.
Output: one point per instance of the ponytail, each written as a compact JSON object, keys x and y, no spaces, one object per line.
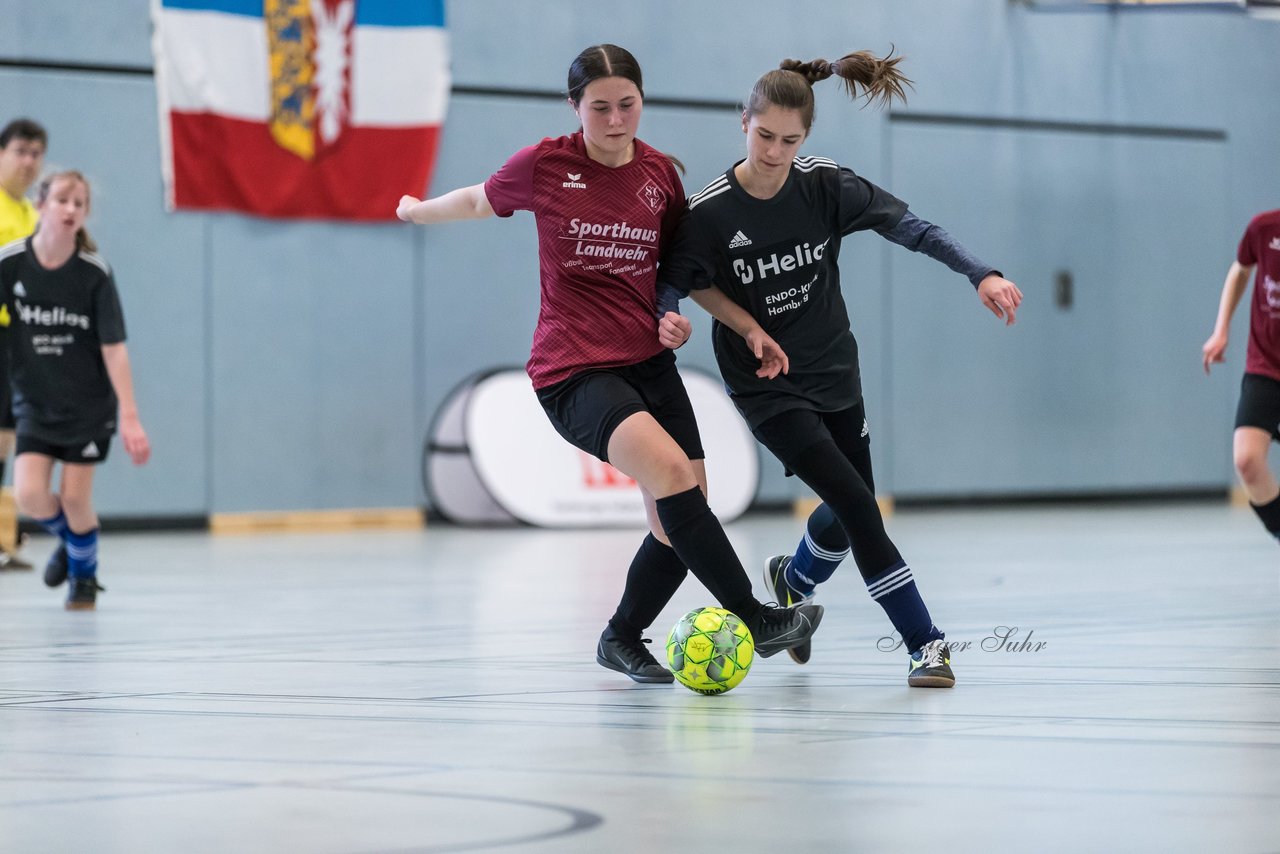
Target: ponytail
{"x":864,"y":75}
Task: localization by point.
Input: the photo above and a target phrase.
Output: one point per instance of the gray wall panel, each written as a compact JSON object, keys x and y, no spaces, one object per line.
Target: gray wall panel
{"x":312,"y":365}
{"x":296,"y":365}
{"x":105,"y":127}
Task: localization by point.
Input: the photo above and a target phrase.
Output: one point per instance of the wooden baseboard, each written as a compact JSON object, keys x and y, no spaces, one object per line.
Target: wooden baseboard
{"x":8,"y":521}
{"x":318,"y":521}
{"x":802,"y":507}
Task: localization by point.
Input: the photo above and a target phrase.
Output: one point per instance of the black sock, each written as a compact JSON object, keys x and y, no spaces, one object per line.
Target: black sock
{"x":842,"y":488}
{"x":2,"y":466}
{"x":698,"y":539}
{"x":656,"y":573}
{"x":1269,"y":514}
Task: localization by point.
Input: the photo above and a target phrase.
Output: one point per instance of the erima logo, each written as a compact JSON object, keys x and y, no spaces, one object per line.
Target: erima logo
{"x":1275,"y":243}
{"x":574,"y":182}
{"x":866,"y":429}
{"x":739,"y":240}
{"x":19,"y":290}
{"x":90,"y":450}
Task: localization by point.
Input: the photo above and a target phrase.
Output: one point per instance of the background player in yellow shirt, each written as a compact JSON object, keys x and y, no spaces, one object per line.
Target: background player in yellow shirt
{"x":22,"y":147}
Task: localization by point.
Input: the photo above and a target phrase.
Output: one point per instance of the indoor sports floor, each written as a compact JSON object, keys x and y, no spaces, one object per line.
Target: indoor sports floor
{"x":436,"y":691}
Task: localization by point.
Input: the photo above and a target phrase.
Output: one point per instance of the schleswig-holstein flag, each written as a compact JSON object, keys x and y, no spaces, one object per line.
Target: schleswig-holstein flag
{"x":299,"y":108}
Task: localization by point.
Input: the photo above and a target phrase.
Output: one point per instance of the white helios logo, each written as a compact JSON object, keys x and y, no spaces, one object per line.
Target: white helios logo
{"x":800,"y":256}
{"x":57,"y":316}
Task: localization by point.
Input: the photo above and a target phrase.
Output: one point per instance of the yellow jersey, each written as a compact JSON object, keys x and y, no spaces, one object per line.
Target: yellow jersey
{"x":17,"y":218}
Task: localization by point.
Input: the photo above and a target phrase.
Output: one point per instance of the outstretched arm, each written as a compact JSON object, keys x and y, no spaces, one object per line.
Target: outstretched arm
{"x":1232,"y":290}
{"x":136,"y":444}
{"x":462,"y":203}
{"x":998,"y":294}
{"x":773,"y":360}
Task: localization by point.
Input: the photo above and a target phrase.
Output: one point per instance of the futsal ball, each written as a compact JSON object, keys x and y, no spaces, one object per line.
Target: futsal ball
{"x":710,"y":650}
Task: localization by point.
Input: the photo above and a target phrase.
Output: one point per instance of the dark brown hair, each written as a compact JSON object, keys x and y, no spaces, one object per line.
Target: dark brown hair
{"x":84,"y":243}
{"x":23,"y":129}
{"x":864,"y":74}
{"x":602,"y":60}
{"x":607,"y":60}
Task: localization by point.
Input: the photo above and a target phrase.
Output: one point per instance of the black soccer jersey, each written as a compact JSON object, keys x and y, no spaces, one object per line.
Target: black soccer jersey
{"x":778,"y":259}
{"x":59,"y":320}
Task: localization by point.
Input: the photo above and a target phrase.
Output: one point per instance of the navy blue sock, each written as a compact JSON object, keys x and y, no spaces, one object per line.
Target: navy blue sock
{"x":82,"y":554}
{"x":696,"y":536}
{"x":656,"y":573}
{"x":1269,"y":513}
{"x":821,"y":550}
{"x":56,"y":525}
{"x":895,"y":590}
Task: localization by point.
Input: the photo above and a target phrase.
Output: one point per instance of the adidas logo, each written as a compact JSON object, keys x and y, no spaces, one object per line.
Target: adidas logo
{"x":574,"y":182}
{"x":90,"y":450}
{"x":739,"y":240}
{"x":19,"y":290}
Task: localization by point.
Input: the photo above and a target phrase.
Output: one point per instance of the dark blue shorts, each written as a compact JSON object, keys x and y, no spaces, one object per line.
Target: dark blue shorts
{"x":587,"y":407}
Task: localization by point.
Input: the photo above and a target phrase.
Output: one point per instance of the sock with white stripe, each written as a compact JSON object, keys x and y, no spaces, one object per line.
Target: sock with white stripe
{"x":895,"y":591}
{"x":56,"y":525}
{"x":1269,"y":513}
{"x":819,"y":553}
{"x":82,"y":553}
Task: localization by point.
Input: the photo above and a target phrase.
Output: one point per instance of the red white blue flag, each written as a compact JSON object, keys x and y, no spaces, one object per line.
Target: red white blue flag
{"x":299,"y":108}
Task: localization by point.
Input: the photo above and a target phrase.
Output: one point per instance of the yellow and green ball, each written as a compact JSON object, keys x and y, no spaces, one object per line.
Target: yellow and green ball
{"x":710,"y":650}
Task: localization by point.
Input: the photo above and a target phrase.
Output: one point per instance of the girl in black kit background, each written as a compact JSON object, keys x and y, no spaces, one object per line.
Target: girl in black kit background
{"x":759,"y":250}
{"x":72,"y":384}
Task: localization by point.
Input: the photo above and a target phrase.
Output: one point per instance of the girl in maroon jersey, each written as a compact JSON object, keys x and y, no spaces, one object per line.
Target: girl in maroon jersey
{"x":1258,"y":413}
{"x":606,"y":204}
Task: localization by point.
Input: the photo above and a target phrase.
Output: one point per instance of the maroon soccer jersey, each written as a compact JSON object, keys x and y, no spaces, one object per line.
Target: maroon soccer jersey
{"x":1261,"y":245}
{"x":600,"y":233}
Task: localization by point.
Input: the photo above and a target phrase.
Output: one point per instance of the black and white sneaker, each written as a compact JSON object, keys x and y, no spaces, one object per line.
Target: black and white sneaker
{"x":775,"y":629}
{"x":630,"y":656}
{"x":83,"y":594}
{"x":775,"y":575}
{"x":55,"y":571}
{"x":931,"y":666}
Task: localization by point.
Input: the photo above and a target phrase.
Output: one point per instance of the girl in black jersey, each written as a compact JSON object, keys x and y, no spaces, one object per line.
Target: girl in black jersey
{"x":758,"y":249}
{"x":606,"y":384}
{"x":72,"y":385}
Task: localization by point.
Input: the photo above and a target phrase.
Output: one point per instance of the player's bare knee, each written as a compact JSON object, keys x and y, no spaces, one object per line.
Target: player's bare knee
{"x":1251,"y":466}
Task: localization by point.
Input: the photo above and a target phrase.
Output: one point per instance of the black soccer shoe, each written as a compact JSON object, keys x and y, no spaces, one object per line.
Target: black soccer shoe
{"x":630,"y":656}
{"x":775,"y":629}
{"x":83,"y":594}
{"x":775,"y":575}
{"x":55,"y":571}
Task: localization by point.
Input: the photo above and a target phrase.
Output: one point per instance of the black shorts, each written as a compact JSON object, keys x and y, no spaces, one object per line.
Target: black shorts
{"x":90,"y":452}
{"x":1259,"y":404}
{"x":6,"y":402}
{"x":789,"y":433}
{"x":587,"y":407}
